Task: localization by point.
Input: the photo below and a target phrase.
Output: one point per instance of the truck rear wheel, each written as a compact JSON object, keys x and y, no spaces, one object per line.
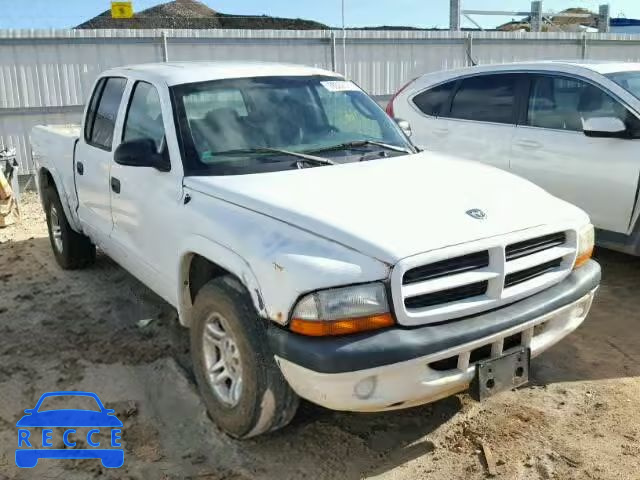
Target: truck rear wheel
{"x":240,"y":383}
{"x":71,"y":249}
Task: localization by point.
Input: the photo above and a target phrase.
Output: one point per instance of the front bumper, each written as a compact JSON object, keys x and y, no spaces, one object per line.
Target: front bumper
{"x":402,"y":367}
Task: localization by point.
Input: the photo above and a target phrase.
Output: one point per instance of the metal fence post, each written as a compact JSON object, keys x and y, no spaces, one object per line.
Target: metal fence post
{"x":583,"y":43}
{"x":468,"y":45}
{"x":536,"y":16}
{"x":604,"y":15}
{"x":334,"y":65}
{"x":454,"y":15}
{"x":165,"y":47}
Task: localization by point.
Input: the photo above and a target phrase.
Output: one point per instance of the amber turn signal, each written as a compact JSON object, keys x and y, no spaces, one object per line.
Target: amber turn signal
{"x":321,"y":328}
{"x":584,"y":258}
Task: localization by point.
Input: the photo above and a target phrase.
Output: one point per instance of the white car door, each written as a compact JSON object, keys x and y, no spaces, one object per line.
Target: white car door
{"x":483,"y":116}
{"x":93,"y":156}
{"x":600,"y":175}
{"x":146,"y":200}
{"x":423,"y":111}
{"x":479,"y":119}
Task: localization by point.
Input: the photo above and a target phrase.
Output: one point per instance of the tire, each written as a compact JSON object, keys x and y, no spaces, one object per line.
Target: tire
{"x":265,"y":402}
{"x":71,"y":249}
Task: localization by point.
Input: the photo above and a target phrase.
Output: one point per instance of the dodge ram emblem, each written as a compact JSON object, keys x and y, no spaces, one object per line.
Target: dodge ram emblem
{"x":477,"y":214}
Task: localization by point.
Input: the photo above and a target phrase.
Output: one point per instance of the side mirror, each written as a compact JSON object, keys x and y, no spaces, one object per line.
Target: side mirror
{"x":604,"y":127}
{"x":405,"y":126}
{"x":141,"y":152}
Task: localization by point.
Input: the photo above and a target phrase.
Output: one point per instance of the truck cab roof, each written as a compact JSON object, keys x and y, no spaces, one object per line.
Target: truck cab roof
{"x":177,"y":73}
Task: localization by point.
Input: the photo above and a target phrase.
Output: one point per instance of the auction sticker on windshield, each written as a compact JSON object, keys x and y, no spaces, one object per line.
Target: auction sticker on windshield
{"x":340,"y":86}
{"x":52,"y":430}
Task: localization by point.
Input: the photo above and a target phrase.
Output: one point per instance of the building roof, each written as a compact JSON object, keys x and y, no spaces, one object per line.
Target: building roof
{"x":177,"y":73}
{"x":194,"y":14}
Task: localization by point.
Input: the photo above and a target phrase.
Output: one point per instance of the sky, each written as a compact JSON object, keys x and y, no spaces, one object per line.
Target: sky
{"x":358,"y":13}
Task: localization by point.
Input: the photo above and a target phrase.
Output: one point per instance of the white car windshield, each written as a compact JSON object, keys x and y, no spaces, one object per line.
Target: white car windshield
{"x":630,"y":81}
{"x":229,"y":127}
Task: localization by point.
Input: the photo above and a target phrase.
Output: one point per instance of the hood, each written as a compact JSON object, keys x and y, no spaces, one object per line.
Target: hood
{"x":396,"y":207}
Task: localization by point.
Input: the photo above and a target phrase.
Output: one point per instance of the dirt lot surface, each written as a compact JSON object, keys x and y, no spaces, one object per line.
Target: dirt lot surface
{"x":579,"y":418}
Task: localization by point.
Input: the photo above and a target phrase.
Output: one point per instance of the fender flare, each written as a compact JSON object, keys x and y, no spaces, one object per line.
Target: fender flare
{"x":62,"y":193}
{"x":225,"y":258}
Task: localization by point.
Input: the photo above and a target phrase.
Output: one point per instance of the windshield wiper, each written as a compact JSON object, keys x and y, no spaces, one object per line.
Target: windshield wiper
{"x":363,"y":143}
{"x":309,"y":158}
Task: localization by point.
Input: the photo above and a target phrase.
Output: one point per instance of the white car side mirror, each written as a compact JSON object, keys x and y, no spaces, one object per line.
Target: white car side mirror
{"x":604,"y":127}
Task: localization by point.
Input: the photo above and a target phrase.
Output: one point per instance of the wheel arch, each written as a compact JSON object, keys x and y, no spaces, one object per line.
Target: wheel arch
{"x":202,"y":260}
{"x":48,"y":178}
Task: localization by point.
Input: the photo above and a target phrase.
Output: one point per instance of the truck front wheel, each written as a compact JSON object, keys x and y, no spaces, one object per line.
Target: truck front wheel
{"x":71,"y":249}
{"x":240,"y":383}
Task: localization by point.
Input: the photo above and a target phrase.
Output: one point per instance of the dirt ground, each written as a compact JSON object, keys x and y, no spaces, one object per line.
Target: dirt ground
{"x":579,"y":418}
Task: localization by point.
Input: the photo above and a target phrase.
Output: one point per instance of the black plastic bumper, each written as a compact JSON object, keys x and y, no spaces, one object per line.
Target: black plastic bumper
{"x":393,"y":345}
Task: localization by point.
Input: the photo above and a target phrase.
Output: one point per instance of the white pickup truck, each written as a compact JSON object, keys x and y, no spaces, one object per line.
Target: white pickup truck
{"x":310,"y":248}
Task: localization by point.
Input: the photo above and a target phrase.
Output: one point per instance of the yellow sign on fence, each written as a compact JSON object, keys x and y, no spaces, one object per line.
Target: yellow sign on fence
{"x":121,"y":10}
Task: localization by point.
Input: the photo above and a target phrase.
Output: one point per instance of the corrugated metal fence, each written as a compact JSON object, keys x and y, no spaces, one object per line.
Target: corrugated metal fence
{"x":46,"y":75}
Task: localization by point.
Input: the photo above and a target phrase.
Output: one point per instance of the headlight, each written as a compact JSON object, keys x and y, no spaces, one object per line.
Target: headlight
{"x":586,"y":238}
{"x":340,"y":311}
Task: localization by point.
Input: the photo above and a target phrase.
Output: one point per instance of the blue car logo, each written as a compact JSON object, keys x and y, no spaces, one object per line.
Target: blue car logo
{"x":32,"y":447}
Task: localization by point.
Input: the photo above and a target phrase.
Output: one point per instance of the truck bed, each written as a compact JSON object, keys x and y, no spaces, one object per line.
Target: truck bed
{"x":68,"y":130}
{"x":52,"y":147}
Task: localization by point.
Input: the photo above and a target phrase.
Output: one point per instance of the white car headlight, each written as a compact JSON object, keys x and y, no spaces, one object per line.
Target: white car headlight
{"x":586,"y":240}
{"x":339,"y":311}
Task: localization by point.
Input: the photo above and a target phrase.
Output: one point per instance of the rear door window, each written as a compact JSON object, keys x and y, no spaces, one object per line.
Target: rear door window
{"x":91,"y":111}
{"x":101,"y":116}
{"x":486,"y":98}
{"x":435,"y":101}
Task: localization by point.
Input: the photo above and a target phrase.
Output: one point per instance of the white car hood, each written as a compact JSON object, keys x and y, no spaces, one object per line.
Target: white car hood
{"x":396,"y":207}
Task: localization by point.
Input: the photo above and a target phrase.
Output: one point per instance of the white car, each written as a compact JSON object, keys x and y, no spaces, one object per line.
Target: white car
{"x":572,"y":128}
{"x":311,"y":251}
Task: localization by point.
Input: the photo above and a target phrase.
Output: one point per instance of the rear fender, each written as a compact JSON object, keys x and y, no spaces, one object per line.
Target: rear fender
{"x":43,"y":180}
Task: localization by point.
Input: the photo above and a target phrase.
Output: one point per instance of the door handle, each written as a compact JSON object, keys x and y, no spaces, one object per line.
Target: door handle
{"x":79,"y":168}
{"x":115,"y":184}
{"x":441,"y":131}
{"x":531,"y":144}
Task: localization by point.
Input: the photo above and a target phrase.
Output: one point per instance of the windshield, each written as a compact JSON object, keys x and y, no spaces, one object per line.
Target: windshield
{"x":630,"y":81}
{"x":225,"y":125}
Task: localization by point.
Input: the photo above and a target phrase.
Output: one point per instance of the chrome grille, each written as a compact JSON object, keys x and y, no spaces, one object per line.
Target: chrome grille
{"x":471,"y":278}
{"x":535,"y":245}
{"x":450,"y":266}
{"x":516,"y":278}
{"x":446,"y":296}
